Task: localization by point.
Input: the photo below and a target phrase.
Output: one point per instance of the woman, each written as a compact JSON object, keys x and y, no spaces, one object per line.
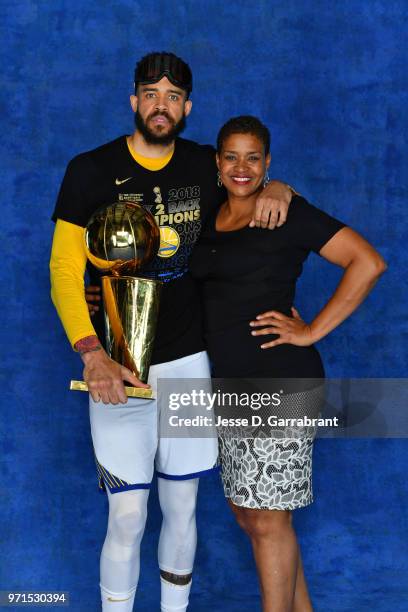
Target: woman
{"x":248,"y":279}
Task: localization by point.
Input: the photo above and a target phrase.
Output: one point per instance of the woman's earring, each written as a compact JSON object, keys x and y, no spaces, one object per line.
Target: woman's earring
{"x":266,"y":179}
{"x":219,"y":181}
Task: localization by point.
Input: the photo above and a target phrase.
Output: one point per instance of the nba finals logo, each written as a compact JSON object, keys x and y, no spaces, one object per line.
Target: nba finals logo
{"x":157,"y":193}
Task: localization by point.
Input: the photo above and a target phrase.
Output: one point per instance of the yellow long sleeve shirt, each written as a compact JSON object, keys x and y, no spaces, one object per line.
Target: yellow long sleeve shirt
{"x":68,"y":263}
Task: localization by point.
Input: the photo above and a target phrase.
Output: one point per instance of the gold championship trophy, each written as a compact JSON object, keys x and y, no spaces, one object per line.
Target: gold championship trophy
{"x":120,"y":239}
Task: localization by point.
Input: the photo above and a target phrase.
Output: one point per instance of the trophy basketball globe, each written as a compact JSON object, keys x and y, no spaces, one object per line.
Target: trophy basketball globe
{"x":120,"y":239}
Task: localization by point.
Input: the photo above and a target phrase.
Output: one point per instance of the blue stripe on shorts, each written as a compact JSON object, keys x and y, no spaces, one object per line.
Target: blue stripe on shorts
{"x":216,"y":468}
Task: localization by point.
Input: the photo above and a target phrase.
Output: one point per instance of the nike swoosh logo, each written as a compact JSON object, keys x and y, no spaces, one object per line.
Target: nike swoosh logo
{"x":111,"y":599}
{"x":119,"y":182}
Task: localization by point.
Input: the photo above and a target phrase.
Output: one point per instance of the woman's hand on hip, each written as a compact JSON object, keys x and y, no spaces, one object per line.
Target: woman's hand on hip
{"x":291,"y":330}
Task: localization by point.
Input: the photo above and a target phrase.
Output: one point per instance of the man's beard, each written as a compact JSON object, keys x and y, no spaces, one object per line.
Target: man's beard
{"x":159,"y":139}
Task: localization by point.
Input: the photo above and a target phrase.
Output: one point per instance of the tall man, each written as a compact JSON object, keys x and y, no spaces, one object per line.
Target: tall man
{"x":176,"y":180}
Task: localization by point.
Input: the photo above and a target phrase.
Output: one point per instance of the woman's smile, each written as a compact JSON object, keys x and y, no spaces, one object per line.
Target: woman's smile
{"x":241,"y":180}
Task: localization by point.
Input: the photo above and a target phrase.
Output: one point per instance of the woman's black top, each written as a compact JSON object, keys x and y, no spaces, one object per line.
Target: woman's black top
{"x":249,"y":271}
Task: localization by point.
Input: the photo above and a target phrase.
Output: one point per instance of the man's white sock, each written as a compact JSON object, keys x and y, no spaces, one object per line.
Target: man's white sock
{"x":174,"y":597}
{"x":117,"y":602}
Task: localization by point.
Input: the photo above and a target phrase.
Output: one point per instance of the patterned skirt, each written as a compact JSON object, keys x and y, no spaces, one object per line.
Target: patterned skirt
{"x":271,"y":470}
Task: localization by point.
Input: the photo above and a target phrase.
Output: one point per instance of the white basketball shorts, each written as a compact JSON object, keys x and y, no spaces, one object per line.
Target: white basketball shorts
{"x":126,"y":442}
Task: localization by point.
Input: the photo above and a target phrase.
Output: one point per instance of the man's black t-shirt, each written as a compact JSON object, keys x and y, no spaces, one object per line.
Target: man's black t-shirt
{"x":246,"y":272}
{"x":179,"y":196}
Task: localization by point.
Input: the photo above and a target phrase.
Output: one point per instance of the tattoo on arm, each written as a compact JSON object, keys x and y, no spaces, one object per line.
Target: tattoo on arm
{"x":88,"y":345}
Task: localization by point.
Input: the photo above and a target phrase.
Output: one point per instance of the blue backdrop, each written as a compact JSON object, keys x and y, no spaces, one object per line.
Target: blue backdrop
{"x":330,"y":81}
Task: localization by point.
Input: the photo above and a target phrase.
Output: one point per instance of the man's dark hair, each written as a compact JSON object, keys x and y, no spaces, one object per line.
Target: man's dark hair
{"x":154,"y":66}
{"x":245,"y":124}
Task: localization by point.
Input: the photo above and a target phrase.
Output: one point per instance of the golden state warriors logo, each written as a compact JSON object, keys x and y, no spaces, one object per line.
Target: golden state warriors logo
{"x":169,"y":241}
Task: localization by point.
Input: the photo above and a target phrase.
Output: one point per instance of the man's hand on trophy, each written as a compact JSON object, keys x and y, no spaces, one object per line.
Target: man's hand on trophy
{"x":92,"y":296}
{"x":105,"y":377}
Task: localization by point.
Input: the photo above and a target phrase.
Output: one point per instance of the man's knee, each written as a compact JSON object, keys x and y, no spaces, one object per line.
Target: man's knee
{"x":179,"y":499}
{"x":127,"y":526}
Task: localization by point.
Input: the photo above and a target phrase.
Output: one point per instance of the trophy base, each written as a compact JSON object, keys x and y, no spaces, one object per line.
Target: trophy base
{"x":80,"y":385}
